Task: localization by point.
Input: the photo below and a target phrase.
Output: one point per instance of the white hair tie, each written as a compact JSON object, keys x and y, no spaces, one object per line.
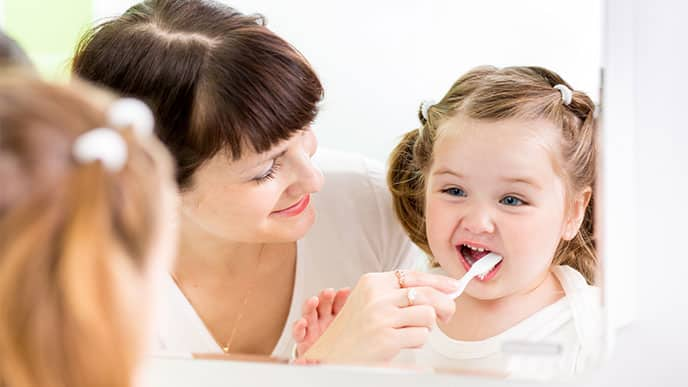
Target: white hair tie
{"x":424,"y":107}
{"x":101,"y":144}
{"x":131,"y":112}
{"x":566,"y":93}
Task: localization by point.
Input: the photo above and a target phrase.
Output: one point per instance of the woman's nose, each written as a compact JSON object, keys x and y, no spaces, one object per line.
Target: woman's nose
{"x":309,"y":178}
{"x":310,"y":142}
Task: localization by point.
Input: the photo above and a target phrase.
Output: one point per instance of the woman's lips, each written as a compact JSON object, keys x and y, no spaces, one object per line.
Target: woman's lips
{"x":295,"y":209}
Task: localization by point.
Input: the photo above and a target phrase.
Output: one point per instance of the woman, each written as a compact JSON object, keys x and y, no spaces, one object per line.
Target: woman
{"x":234,"y":104}
{"x":83,"y":214}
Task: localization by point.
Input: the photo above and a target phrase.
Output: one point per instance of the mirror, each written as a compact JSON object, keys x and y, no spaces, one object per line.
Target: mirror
{"x":377,"y":61}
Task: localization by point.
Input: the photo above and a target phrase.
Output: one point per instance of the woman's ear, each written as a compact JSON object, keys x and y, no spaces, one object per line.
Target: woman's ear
{"x":576,"y":213}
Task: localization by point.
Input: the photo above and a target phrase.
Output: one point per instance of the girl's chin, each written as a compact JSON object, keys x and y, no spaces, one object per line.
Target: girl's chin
{"x":483,"y":296}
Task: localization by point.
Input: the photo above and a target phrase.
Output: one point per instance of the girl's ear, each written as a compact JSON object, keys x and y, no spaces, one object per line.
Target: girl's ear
{"x":576,"y":214}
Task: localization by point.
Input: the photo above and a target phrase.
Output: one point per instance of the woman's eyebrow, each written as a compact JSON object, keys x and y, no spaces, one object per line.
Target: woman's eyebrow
{"x":272,"y":155}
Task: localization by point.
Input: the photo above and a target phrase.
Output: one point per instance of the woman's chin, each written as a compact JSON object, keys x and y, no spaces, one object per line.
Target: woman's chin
{"x":294,"y":228}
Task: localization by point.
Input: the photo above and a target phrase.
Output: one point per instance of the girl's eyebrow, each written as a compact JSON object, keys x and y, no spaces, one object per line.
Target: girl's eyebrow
{"x":522,"y":180}
{"x":447,"y":171}
{"x":509,"y":179}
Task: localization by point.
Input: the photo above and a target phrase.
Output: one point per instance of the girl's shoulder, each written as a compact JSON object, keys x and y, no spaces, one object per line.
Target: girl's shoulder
{"x":585,"y":302}
{"x":575,"y":286}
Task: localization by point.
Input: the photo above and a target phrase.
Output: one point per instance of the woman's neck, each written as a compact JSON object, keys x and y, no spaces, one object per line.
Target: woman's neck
{"x":477,"y":319}
{"x":205,"y":254}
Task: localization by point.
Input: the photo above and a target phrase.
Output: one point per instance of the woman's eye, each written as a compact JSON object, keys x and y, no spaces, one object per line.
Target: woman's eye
{"x":269,"y":175}
{"x":454,"y":192}
{"x":512,"y":201}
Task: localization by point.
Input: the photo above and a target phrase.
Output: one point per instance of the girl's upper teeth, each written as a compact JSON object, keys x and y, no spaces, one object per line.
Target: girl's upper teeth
{"x":475,"y":248}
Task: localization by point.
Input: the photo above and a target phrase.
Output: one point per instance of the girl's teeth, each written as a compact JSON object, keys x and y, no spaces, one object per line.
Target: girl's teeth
{"x":475,"y":248}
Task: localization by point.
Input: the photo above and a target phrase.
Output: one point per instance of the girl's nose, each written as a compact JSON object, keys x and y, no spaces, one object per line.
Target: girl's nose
{"x":478,"y":221}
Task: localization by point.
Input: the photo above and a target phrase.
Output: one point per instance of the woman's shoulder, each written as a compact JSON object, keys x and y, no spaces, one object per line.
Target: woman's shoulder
{"x":349,"y":172}
{"x":354,"y":187}
{"x":354,"y":210}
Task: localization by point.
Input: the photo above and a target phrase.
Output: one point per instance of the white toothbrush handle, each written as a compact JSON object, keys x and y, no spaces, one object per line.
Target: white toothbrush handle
{"x":463,"y":282}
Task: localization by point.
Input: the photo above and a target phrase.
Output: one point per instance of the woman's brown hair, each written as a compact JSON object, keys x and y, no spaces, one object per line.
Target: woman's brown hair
{"x":75,"y":239}
{"x":489,"y":93}
{"x":216,"y":79}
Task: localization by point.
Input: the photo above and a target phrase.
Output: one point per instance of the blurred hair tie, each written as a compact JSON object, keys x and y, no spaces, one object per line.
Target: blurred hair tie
{"x":101,"y":144}
{"x":132,"y":113}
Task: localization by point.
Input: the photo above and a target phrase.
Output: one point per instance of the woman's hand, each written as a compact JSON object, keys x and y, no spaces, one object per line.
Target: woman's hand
{"x":385,"y":313}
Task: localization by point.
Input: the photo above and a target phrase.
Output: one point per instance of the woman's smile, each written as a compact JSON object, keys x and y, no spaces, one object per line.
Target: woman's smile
{"x":295,"y":209}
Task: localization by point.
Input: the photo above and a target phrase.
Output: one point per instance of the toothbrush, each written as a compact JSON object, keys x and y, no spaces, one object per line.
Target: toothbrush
{"x":480,"y":268}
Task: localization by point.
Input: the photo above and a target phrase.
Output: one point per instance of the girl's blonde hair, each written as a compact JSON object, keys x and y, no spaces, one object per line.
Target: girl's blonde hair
{"x":489,"y":93}
{"x":75,"y":239}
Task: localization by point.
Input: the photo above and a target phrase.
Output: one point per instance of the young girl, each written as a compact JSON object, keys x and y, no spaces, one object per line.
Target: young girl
{"x":85,"y":207}
{"x":505,"y":163}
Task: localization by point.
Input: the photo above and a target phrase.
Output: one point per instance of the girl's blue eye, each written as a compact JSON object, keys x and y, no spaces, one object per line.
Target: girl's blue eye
{"x":512,"y":201}
{"x":454,"y":192}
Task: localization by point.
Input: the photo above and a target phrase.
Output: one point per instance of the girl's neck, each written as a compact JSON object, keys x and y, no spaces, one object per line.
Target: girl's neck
{"x":477,"y":320}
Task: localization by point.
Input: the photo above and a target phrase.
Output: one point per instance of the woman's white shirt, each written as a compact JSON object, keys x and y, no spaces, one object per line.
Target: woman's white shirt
{"x":355,"y":232}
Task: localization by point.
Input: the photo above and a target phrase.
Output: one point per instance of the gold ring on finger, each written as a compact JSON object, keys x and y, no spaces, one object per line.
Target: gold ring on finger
{"x":401,"y":277}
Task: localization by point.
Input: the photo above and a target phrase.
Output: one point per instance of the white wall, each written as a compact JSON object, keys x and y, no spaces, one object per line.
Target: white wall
{"x":617,"y":224}
{"x":379,"y":59}
{"x":651,"y":64}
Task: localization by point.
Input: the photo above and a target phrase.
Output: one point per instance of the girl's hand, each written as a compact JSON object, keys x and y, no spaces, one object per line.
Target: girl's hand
{"x":318,"y":313}
{"x":385,"y":313}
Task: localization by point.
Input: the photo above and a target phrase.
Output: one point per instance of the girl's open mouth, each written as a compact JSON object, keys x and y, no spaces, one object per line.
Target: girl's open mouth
{"x":470,"y":254}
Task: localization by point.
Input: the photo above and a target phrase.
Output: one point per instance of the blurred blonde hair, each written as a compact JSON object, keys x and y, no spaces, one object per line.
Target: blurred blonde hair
{"x":489,"y":93}
{"x":75,"y":239}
